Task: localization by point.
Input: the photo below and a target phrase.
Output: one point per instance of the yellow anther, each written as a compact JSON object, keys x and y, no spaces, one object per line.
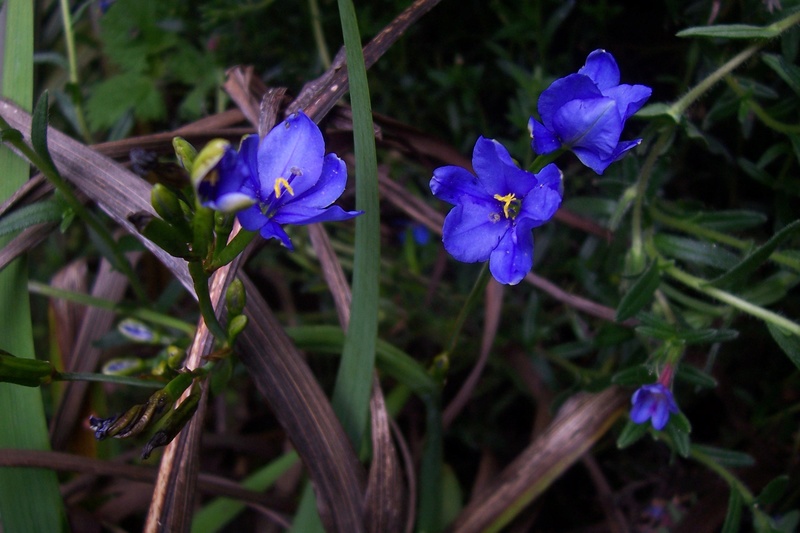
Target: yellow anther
{"x":507,"y":200}
{"x":278,"y":183}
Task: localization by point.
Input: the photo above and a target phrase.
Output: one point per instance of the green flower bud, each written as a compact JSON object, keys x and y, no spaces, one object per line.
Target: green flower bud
{"x":236,"y":326}
{"x":235,"y":297}
{"x":23,"y":371}
{"x":173,"y":423}
{"x":203,"y":167}
{"x":185,"y":152}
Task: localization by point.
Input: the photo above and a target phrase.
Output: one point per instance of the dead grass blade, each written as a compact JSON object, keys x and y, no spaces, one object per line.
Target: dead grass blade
{"x":583,"y":419}
{"x":384,"y":506}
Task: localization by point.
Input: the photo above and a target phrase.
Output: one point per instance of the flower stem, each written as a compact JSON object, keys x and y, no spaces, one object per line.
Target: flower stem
{"x":732,"y":300}
{"x":677,"y":109}
{"x":103,"y":378}
{"x":146,"y":315}
{"x":469,"y":304}
{"x":724,"y":473}
{"x":200,"y":279}
{"x":543,"y":160}
{"x":69,"y":39}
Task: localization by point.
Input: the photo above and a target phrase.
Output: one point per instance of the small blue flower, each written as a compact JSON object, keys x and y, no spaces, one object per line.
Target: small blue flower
{"x":495,"y":211}
{"x":654,"y":402}
{"x":286,"y":178}
{"x":585,"y":113}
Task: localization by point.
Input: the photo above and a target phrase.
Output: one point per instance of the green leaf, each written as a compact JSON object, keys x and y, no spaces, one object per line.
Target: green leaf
{"x":733,"y":517}
{"x":730,"y":31}
{"x":680,"y":422}
{"x":773,"y":491}
{"x":631,"y":433}
{"x":633,"y":377}
{"x":788,"y":72}
{"x":695,"y":376}
{"x":730,"y":220}
{"x":39,"y":130}
{"x":680,"y":439}
{"x":727,"y":458}
{"x":111,"y":99}
{"x":219,"y":512}
{"x":756,"y":258}
{"x":790,"y":344}
{"x":30,"y":500}
{"x":640,"y":293}
{"x":50,"y":210}
{"x":694,"y":251}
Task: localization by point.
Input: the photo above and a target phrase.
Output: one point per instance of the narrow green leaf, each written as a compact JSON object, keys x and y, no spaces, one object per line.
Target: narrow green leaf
{"x":733,"y":518}
{"x":633,"y":377}
{"x":730,"y":220}
{"x":788,"y":72}
{"x":631,"y":433}
{"x":50,"y":210}
{"x":39,"y":122}
{"x":354,"y":378}
{"x":790,"y":344}
{"x":30,"y":500}
{"x":680,"y":439}
{"x":640,"y":293}
{"x":694,"y":251}
{"x":695,"y":376}
{"x":727,"y":458}
{"x":739,"y":272}
{"x":216,"y":514}
{"x":730,"y":31}
{"x":773,"y":491}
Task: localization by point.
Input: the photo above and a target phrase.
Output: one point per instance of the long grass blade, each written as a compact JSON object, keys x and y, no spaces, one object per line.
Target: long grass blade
{"x":29,"y":499}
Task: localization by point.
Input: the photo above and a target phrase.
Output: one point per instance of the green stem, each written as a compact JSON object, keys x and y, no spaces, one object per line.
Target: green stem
{"x":473,"y":298}
{"x":677,"y":109}
{"x":690,"y":227}
{"x":734,"y":301}
{"x":759,"y":111}
{"x":103,"y":378}
{"x":53,"y":176}
{"x":69,"y":38}
{"x":200,"y":279}
{"x":146,"y":315}
{"x":543,"y":160}
{"x":319,"y":36}
{"x":430,"y":477}
{"x":637,"y":242}
{"x":724,"y":473}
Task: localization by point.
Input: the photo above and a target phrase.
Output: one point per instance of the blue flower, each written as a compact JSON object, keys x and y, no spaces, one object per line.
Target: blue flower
{"x":654,"y":402}
{"x":495,"y":211}
{"x":585,"y":113}
{"x":286,"y":178}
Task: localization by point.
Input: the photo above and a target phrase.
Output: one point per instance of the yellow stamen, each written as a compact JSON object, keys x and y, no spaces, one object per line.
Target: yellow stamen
{"x":278,"y":183}
{"x":507,"y":199}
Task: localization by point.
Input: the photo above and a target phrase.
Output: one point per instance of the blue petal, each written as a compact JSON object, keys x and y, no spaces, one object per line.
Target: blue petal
{"x":591,"y":159}
{"x":248,"y":162}
{"x":252,"y":219}
{"x":563,"y":90}
{"x":513,"y":256}
{"x":552,"y":177}
{"x":539,"y":206}
{"x":293,"y":150}
{"x":602,"y":68}
{"x":329,"y":186}
{"x":543,"y":141}
{"x":272,"y":230}
{"x":497,"y":172}
{"x":590,"y":124}
{"x":310,"y":216}
{"x":471,"y":231}
{"x":232,"y":202}
{"x":660,"y":415}
{"x":629,"y":98}
{"x":455,"y":185}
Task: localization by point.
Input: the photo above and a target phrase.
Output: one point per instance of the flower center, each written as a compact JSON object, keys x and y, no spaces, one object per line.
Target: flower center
{"x":510,"y":203}
{"x":282,"y":182}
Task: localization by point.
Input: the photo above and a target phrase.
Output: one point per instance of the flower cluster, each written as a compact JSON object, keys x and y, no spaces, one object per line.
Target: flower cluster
{"x":284,"y":178}
{"x":496,"y":209}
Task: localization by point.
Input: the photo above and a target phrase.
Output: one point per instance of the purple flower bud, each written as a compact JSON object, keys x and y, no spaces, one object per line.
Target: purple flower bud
{"x":653,"y":402}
